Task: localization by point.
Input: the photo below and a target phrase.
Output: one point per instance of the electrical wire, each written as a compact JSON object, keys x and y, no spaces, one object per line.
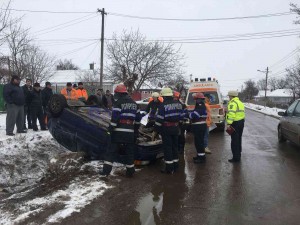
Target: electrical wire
{"x":201,"y":20}
{"x":47,"y":11}
{"x":75,"y":50}
{"x":292,"y":53}
{"x":94,"y":48}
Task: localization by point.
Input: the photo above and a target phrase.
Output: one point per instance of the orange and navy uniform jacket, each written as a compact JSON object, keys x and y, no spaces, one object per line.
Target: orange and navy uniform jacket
{"x":82,"y":93}
{"x":152,"y":109}
{"x":169,"y":114}
{"x":71,"y":95}
{"x":125,"y":120}
{"x":161,"y":99}
{"x":208,"y":118}
{"x":199,"y":114}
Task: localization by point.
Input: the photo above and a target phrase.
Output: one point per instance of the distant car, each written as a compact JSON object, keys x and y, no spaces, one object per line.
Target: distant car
{"x":80,"y":126}
{"x":143,"y":103}
{"x":289,"y":125}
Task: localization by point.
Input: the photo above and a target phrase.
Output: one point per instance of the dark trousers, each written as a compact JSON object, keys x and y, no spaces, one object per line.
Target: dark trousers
{"x":236,"y":139}
{"x":181,"y":140}
{"x":170,"y":145}
{"x":199,"y":134}
{"x":37,"y":113}
{"x":14,"y":116}
{"x":112,"y":154}
{"x":27,"y":115}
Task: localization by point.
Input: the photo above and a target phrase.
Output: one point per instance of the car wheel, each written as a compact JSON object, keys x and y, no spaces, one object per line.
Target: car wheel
{"x":56,"y":104}
{"x":281,"y":138}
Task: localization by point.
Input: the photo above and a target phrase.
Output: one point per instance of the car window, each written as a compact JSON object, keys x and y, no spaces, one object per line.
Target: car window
{"x":291,"y":109}
{"x":297,"y":110}
{"x":213,"y":97}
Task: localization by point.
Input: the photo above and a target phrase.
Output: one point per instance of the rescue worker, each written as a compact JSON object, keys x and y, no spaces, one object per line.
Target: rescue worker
{"x":81,"y":92}
{"x":69,"y":92}
{"x":208,"y":123}
{"x":235,"y":118}
{"x":36,"y":108}
{"x":152,"y":109}
{"x":181,"y":138}
{"x":125,"y":122}
{"x":198,"y":122}
{"x":167,"y":124}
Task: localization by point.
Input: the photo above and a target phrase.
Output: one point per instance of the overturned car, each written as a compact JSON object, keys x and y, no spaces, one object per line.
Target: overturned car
{"x":82,"y":126}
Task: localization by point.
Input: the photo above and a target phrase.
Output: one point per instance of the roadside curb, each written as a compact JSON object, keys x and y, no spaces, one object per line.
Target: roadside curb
{"x":255,"y":110}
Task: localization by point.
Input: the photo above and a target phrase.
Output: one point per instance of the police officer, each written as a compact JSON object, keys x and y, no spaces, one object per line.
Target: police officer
{"x":125,"y":121}
{"x":167,"y":124}
{"x":235,"y":118}
{"x":198,"y":120}
{"x":152,"y":108}
{"x":182,"y":128}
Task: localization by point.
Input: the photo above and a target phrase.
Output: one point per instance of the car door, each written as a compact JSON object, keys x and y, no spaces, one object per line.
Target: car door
{"x":295,"y":125}
{"x":286,"y":125}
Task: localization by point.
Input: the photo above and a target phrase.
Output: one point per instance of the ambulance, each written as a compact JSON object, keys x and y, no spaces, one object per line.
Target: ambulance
{"x":211,"y":89}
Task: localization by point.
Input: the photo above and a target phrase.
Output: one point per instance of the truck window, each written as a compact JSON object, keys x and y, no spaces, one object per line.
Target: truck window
{"x":213,"y":96}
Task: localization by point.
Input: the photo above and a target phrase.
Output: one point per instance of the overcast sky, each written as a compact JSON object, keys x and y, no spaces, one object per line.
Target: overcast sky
{"x":230,"y":62}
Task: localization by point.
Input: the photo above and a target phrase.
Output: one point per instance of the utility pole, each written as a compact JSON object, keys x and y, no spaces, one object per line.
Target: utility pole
{"x":103,"y":13}
{"x":266,"y":87}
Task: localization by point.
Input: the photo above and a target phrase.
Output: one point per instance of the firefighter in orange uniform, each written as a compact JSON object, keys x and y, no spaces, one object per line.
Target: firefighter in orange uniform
{"x":69,"y":92}
{"x":81,"y":92}
{"x":208,"y":122}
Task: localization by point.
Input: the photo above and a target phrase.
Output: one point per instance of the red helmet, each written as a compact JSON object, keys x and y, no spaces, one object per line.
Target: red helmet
{"x":198,"y":95}
{"x":176,"y":94}
{"x":120,"y":88}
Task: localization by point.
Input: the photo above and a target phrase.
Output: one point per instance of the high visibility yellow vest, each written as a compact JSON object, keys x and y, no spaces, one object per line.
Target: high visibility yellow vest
{"x":236,"y":111}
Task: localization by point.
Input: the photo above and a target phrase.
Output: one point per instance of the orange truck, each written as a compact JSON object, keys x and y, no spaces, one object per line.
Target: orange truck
{"x":211,"y":89}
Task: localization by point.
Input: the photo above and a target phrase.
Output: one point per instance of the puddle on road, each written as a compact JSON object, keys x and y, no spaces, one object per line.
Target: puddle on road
{"x":148,"y":210}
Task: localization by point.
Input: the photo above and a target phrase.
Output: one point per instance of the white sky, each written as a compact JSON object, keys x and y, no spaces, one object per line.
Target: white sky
{"x":230,"y":62}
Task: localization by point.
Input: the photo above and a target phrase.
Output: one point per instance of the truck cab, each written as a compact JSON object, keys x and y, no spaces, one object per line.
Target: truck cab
{"x":211,"y":89}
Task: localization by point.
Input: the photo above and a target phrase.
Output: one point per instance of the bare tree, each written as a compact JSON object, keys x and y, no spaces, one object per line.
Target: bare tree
{"x":250,"y":90}
{"x":18,"y":42}
{"x":38,"y":65}
{"x":295,"y":9}
{"x":66,"y":64}
{"x":293,"y":80}
{"x":272,"y":83}
{"x":261,"y":84}
{"x":179,"y":83}
{"x":4,"y":21}
{"x":88,"y":76}
{"x":281,"y":83}
{"x":142,"y":60}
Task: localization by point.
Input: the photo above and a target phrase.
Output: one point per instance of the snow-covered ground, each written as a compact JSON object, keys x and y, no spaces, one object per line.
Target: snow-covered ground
{"x":265,"y":110}
{"x":29,"y":161}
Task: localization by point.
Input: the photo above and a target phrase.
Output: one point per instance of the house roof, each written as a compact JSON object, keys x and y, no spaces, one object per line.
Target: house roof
{"x":281,"y":93}
{"x":262,"y":94}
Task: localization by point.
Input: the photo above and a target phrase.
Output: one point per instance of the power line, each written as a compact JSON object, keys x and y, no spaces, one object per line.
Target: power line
{"x":47,"y":11}
{"x":201,"y":20}
{"x":292,"y":53}
{"x":75,"y":50}
{"x":158,"y":18}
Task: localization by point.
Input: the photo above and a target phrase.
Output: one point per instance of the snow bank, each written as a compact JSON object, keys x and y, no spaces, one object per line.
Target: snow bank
{"x":265,"y":110}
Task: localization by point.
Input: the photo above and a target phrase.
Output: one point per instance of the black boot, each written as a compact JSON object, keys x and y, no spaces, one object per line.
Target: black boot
{"x":234,"y":160}
{"x":106,"y":170}
{"x":176,"y":166}
{"x":130,"y":172}
{"x":200,"y":159}
{"x":167,"y":168}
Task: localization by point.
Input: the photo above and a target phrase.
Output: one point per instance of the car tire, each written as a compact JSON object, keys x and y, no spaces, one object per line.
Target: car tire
{"x":56,"y":104}
{"x":281,"y":138}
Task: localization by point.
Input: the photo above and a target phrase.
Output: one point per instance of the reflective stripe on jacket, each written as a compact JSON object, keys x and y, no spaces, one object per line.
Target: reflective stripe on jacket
{"x":199,"y":114}
{"x":208,"y":111}
{"x":82,"y":93}
{"x":236,"y":111}
{"x":69,"y":95}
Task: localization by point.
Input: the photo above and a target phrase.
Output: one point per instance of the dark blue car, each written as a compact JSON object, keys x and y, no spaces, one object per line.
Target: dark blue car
{"x":83,"y":127}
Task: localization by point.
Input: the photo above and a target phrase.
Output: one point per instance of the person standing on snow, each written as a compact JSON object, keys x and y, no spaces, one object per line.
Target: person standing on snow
{"x":46,"y":95}
{"x":235,"y":119}
{"x":36,"y":108}
{"x":14,"y":97}
{"x":198,"y":119}
{"x":168,"y":116}
{"x":27,"y":88}
{"x":123,"y":130}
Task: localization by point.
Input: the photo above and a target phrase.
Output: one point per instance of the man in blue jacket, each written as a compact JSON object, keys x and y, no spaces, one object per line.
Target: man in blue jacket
{"x":14,"y":97}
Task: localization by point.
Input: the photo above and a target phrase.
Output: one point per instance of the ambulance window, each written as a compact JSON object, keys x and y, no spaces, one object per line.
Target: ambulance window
{"x":213,"y":97}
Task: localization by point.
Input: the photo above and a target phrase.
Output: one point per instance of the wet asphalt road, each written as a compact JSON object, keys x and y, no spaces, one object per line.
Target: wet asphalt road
{"x":263,"y":189}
